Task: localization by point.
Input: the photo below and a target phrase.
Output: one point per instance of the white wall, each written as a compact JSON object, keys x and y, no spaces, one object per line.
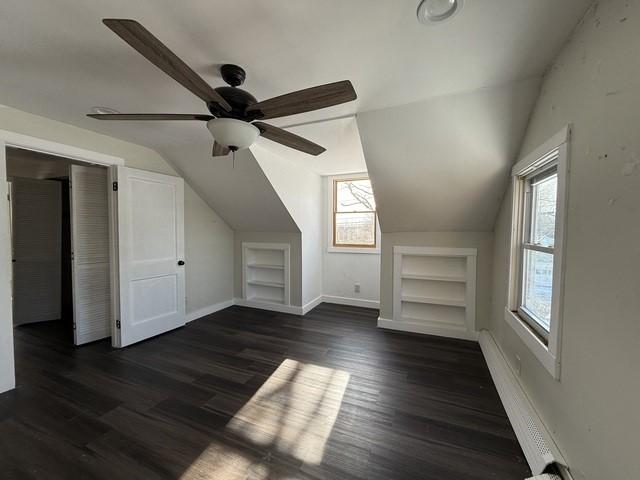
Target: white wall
{"x":209,"y":240}
{"x":300,"y":190}
{"x":341,"y":271}
{"x":200,"y":224}
{"x":592,"y":412}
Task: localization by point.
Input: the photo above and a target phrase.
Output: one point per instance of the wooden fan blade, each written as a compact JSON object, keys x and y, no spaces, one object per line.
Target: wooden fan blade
{"x":219,"y":150}
{"x":157,"y":53}
{"x":150,"y":116}
{"x":306,"y":100}
{"x":288,"y":139}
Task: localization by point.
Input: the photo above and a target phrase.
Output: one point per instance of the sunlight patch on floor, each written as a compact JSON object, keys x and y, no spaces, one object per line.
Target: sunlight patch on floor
{"x":294,"y":410}
{"x":291,"y":416}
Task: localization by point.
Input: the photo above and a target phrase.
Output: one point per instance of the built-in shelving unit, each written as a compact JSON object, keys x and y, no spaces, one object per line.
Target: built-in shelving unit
{"x":265,"y":268}
{"x":434,"y":291}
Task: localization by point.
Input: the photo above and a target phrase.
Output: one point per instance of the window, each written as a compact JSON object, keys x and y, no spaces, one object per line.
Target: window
{"x":537,"y":249}
{"x":353,"y":214}
{"x":536,"y":265}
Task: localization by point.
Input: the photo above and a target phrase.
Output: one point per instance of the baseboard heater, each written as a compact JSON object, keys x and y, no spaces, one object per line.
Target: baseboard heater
{"x":538,"y":447}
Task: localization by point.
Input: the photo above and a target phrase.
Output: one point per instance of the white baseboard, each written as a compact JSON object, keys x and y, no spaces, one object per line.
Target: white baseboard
{"x":354,"y":302}
{"x":203,"y":312}
{"x":537,"y":445}
{"x":296,"y":310}
{"x":312,"y":304}
{"x":413,"y":327}
{"x":274,"y":307}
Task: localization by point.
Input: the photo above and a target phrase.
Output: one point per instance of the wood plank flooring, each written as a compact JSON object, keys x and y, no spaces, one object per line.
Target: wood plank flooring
{"x":250,"y":394}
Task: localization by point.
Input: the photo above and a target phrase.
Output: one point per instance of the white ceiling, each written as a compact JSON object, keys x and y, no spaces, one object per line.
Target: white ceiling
{"x":341,"y":139}
{"x":58,"y":60}
{"x":442,"y":165}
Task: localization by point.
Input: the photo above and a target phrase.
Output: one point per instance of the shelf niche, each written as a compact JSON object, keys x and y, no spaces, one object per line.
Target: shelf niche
{"x":265,"y":272}
{"x":434,"y":291}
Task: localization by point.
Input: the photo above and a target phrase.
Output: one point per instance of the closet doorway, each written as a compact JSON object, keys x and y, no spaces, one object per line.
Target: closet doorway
{"x":60,"y":245}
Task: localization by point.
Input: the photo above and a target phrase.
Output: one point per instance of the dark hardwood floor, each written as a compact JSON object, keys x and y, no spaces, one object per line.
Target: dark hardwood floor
{"x":249,"y":394}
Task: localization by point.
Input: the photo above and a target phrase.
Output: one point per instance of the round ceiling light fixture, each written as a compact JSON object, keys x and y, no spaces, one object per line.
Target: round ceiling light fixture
{"x":104,"y":110}
{"x":233,"y":134}
{"x":431,"y":12}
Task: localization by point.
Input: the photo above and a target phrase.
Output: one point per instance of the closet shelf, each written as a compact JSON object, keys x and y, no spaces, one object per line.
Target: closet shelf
{"x":265,"y":300}
{"x":266,"y":265}
{"x":439,"y":278}
{"x":433,"y":301}
{"x":266,"y":284}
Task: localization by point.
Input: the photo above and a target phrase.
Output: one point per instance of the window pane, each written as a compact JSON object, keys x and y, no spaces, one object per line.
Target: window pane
{"x":355,"y":229}
{"x":537,"y":288}
{"x":543,"y":213}
{"x":354,"y":196}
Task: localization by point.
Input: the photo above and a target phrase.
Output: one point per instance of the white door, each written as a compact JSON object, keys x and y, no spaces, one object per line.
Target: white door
{"x":90,"y":254}
{"x":36,"y":215}
{"x":151,"y":253}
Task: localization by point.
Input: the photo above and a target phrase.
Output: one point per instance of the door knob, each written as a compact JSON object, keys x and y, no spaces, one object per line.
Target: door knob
{"x":180,"y":262}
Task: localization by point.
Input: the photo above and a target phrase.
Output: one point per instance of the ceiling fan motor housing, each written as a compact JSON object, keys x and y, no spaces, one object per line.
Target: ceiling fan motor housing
{"x":238,"y":99}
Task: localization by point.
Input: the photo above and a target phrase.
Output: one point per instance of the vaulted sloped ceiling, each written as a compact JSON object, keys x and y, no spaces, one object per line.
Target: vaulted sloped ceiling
{"x":442,"y":164}
{"x":239,"y":190}
{"x":58,"y":61}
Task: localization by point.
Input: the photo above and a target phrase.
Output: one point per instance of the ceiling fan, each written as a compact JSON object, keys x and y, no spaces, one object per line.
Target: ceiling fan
{"x":235,"y":115}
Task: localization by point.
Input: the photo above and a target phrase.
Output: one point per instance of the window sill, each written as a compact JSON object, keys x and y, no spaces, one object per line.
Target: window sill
{"x":375,"y":251}
{"x":548,"y":359}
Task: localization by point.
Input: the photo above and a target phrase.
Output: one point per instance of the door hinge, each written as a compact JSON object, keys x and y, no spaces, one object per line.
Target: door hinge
{"x":118,"y":324}
{"x":115,"y":186}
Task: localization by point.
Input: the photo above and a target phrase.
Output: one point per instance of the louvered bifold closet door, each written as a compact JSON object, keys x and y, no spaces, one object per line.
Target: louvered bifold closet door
{"x":36,"y":214}
{"x":90,"y":247}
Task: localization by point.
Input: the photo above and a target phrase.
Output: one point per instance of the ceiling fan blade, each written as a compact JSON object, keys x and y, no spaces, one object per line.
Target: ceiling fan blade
{"x":150,"y":116}
{"x":288,"y":139}
{"x":219,"y":150}
{"x":157,"y":53}
{"x":306,"y":100}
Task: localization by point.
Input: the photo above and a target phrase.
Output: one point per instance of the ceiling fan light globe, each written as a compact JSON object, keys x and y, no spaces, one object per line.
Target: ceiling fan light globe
{"x":233,"y":134}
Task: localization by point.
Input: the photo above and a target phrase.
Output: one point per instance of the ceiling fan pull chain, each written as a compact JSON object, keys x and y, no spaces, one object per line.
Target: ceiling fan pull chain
{"x":233,"y":156}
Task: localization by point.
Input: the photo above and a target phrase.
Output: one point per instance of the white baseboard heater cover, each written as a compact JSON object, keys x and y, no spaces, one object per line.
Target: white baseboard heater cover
{"x":537,"y":445}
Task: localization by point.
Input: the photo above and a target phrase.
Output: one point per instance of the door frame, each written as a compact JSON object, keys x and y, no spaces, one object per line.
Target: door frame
{"x":27,"y":142}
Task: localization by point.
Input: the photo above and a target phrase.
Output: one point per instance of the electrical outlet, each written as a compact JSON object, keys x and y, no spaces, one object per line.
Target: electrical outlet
{"x":356,"y":288}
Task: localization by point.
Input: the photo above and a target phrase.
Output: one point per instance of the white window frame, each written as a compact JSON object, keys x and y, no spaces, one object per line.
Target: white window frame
{"x":554,"y":152}
{"x":330,"y":208}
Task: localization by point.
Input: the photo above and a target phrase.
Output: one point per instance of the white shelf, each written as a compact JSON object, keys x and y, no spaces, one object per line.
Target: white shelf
{"x":438,"y":278}
{"x":266,"y":265}
{"x":433,"y":322}
{"x":266,"y":284}
{"x":265,"y":273}
{"x":265,"y":300}
{"x":452,"y":302}
{"x":434,"y":291}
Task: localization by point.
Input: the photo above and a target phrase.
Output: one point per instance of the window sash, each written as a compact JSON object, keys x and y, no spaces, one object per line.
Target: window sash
{"x":530,"y":180}
{"x":336,"y":182}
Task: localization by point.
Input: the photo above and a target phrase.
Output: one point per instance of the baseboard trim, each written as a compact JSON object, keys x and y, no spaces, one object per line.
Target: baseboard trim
{"x":312,"y":304}
{"x":296,"y":310}
{"x":413,"y":327}
{"x":274,"y":307}
{"x":536,"y":442}
{"x":354,"y":302}
{"x":203,"y":312}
